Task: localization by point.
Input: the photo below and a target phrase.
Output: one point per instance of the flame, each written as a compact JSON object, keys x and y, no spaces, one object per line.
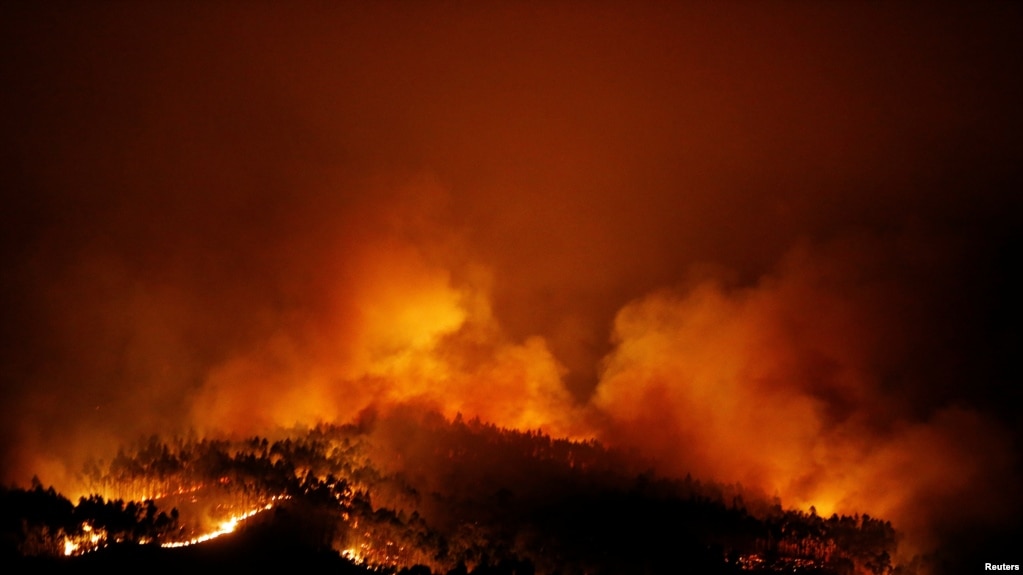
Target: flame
{"x":90,"y":540}
{"x":225,"y":527}
{"x":70,"y":547}
{"x":353,"y":555}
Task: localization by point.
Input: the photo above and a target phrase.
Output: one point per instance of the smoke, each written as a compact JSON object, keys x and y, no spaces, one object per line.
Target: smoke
{"x":822,"y":382}
{"x":399,"y":329}
{"x":767,"y":244}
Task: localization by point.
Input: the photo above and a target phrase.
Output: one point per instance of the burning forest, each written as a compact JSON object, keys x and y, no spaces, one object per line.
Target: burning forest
{"x":481,"y":500}
{"x":510,"y":287}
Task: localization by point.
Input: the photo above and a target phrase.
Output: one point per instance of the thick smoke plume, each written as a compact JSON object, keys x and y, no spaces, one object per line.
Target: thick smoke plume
{"x":765,"y":244}
{"x":805,"y":384}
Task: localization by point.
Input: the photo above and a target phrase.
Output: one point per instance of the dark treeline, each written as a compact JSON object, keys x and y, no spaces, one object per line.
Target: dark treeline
{"x":42,"y":522}
{"x":419,"y":494}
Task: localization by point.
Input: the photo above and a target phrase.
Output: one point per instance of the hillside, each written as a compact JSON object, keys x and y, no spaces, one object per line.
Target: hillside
{"x":402,"y":492}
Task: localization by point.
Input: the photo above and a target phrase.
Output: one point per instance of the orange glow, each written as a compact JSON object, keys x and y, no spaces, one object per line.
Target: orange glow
{"x":90,"y":540}
{"x":741,"y":378}
{"x":744,"y":380}
{"x":766,"y":244}
{"x":225,"y":527}
{"x":406,"y":332}
{"x":70,"y":547}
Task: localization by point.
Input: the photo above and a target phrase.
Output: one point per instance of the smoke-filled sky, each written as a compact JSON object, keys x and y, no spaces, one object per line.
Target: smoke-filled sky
{"x":760,"y":242}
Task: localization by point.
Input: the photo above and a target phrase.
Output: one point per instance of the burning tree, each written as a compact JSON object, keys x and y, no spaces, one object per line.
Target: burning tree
{"x":441,"y":495}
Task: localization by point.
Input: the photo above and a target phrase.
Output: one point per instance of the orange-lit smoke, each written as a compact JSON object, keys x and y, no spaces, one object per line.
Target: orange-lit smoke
{"x":800,"y":385}
{"x":793,"y":386}
{"x":765,"y":243}
{"x":400,"y":329}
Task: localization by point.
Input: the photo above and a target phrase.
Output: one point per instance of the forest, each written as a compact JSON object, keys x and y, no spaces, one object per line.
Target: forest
{"x":404,"y":493}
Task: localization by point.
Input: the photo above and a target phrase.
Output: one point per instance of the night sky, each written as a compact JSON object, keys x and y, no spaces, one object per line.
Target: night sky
{"x":765,"y":242}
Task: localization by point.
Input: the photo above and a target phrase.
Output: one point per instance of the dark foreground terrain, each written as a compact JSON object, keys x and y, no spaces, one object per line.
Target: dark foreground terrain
{"x":414,"y":494}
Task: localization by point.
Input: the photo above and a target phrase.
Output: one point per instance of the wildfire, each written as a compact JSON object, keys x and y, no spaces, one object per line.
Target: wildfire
{"x":225,"y":527}
{"x":70,"y":547}
{"x":90,"y":540}
{"x":177,"y":492}
{"x":353,"y":555}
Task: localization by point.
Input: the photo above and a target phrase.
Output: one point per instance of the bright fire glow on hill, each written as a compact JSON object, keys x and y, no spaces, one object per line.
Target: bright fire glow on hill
{"x":225,"y":527}
{"x":90,"y":540}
